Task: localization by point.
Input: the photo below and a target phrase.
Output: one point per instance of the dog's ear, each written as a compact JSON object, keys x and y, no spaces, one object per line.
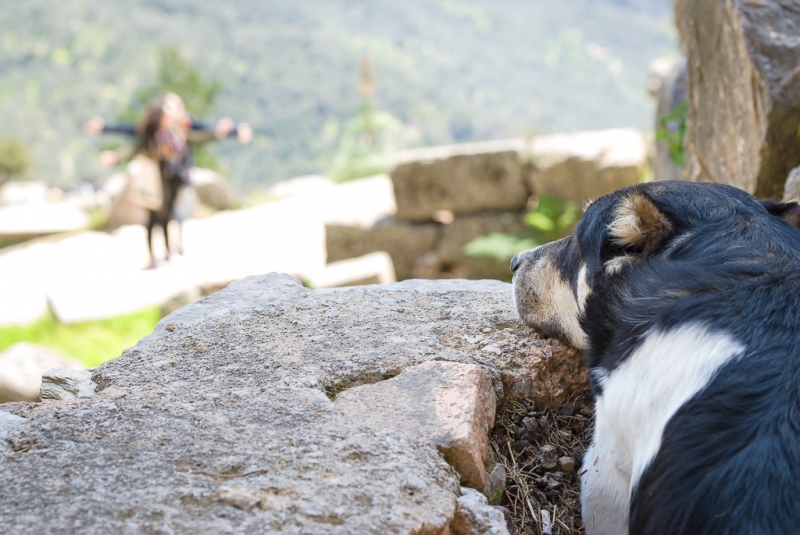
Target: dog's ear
{"x":788,"y":211}
{"x":638,"y":225}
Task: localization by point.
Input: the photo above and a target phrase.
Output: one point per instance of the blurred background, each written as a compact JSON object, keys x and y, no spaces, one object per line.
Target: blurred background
{"x":390,"y":140}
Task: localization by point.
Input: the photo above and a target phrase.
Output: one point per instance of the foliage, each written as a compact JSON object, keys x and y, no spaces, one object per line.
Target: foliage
{"x":551,"y":220}
{"x":92,"y":342}
{"x":673,"y":131}
{"x":491,"y":70}
{"x":366,"y":145}
{"x":15,"y":158}
{"x":178,"y":75}
{"x":499,"y":246}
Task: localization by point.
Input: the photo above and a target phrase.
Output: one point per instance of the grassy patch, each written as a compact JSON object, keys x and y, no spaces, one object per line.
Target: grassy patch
{"x":91,"y":342}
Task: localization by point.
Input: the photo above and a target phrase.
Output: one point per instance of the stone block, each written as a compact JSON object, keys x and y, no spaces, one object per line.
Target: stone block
{"x":373,"y":268}
{"x":464,"y":229}
{"x":743,"y":63}
{"x":448,"y":403}
{"x":586,"y":165}
{"x":462,"y":179}
{"x":405,"y":242}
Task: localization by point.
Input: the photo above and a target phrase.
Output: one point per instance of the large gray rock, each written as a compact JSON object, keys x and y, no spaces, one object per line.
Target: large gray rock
{"x":743,"y":91}
{"x":462,"y":179}
{"x":586,"y":165}
{"x":405,"y":242}
{"x":21,"y":369}
{"x":219,"y":421}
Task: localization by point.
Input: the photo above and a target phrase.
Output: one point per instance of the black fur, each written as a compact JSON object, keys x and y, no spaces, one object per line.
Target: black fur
{"x":730,"y":458}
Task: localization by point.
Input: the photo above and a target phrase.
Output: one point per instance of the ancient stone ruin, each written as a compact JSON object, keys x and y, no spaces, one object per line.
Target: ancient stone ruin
{"x":268,"y":407}
{"x":448,"y":196}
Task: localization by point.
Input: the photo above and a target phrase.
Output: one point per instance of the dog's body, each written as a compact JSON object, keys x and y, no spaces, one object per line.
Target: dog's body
{"x":686,"y":298}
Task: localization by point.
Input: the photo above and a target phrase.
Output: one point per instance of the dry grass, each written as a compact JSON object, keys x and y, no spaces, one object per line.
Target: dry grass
{"x":543,"y":501}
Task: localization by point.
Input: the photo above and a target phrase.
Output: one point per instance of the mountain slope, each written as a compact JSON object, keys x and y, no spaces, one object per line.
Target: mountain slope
{"x":450,"y":70}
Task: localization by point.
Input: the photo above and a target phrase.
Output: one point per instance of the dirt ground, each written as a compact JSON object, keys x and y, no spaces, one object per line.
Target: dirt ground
{"x":542,"y":449}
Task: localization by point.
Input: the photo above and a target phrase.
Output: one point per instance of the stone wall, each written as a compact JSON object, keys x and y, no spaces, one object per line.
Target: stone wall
{"x":269,"y":407}
{"x":447,"y":196}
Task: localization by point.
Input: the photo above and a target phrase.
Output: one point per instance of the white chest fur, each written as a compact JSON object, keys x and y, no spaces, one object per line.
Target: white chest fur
{"x":639,"y":398}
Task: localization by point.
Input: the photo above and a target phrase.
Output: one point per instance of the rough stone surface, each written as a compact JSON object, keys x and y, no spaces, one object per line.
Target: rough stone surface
{"x":21,"y":368}
{"x":449,"y":403}
{"x":791,"y":190}
{"x":65,"y":383}
{"x":743,"y":61}
{"x":405,"y":242}
{"x":670,"y":93}
{"x":474,"y":516}
{"x":219,"y":421}
{"x":585,"y":165}
{"x":463,"y":179}
{"x":8,"y":421}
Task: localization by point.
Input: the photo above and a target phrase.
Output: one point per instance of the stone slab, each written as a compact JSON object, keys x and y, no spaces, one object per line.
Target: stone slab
{"x":450,"y":404}
{"x":462,"y":179}
{"x":405,"y":242}
{"x":586,"y":165}
{"x":221,"y":422}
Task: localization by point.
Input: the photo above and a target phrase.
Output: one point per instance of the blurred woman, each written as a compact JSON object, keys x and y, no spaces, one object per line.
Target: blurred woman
{"x":165,"y":136}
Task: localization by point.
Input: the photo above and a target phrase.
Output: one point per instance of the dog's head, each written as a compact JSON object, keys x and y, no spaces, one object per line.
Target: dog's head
{"x":624,"y":230}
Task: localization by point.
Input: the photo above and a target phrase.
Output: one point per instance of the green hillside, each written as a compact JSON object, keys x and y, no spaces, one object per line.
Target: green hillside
{"x":449,"y":70}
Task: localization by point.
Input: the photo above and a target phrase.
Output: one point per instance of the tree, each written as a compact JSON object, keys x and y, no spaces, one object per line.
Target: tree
{"x":177,"y":74}
{"x":15,"y":158}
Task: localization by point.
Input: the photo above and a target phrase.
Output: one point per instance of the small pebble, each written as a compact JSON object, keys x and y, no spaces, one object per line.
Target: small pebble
{"x":567,"y":409}
{"x":401,"y":309}
{"x":567,"y":464}
{"x":486,"y":330}
{"x":539,"y":496}
{"x":530,"y":423}
{"x":548,"y":457}
{"x":170,"y":327}
{"x":552,"y":482}
{"x":520,"y":445}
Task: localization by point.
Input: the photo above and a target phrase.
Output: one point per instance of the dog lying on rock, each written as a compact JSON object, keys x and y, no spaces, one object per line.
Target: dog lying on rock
{"x":686,"y":300}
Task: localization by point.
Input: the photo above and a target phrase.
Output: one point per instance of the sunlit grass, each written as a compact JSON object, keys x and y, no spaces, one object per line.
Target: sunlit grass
{"x":91,"y":342}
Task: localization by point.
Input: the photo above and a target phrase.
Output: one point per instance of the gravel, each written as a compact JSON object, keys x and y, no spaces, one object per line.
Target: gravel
{"x":544,"y":476}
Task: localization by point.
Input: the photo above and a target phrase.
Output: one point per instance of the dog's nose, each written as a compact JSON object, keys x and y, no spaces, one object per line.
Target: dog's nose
{"x":515,"y":263}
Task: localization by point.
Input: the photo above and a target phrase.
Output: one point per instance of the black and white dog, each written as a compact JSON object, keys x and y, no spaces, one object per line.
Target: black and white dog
{"x":686,"y":299}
